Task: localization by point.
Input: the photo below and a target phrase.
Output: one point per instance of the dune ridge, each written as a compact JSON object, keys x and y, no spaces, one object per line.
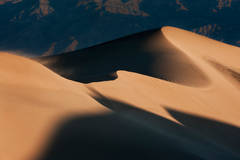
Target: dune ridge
{"x":148,"y":53}
{"x":156,"y":94}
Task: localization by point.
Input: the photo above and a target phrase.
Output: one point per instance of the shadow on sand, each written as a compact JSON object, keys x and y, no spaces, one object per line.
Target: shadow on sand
{"x":131,"y":133}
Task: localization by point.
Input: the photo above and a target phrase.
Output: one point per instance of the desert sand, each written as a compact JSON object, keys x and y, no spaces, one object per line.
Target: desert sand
{"x":160,"y":94}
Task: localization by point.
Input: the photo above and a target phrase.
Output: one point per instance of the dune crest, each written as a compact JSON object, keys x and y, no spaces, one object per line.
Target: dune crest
{"x":148,"y":53}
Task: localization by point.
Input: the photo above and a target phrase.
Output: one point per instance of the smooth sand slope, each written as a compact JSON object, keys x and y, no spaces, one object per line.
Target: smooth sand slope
{"x":161,"y":94}
{"x":32,"y":100}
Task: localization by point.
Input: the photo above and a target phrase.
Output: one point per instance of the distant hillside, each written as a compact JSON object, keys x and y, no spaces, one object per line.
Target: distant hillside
{"x":45,"y":27}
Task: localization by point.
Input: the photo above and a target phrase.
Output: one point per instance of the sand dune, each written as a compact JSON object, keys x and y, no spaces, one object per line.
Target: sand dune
{"x":165,"y":93}
{"x":148,"y":53}
{"x":33,"y":99}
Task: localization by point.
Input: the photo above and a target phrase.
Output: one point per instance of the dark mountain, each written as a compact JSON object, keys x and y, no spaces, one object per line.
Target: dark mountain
{"x":44,"y":27}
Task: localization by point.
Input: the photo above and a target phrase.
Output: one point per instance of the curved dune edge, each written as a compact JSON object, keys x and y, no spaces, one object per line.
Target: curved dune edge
{"x":34,"y":102}
{"x":148,"y":53}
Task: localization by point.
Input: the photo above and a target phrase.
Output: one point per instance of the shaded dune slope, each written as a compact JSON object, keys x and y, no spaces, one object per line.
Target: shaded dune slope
{"x":132,"y":133}
{"x":148,"y":53}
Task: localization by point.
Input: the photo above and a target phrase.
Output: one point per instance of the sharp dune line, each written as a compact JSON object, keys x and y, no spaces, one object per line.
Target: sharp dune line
{"x":164,"y":80}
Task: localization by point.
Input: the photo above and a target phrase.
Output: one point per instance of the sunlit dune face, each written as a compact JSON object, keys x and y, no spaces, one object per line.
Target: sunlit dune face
{"x":33,"y":101}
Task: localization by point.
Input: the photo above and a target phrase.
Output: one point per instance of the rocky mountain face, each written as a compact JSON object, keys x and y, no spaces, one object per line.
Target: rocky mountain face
{"x":46,"y":27}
